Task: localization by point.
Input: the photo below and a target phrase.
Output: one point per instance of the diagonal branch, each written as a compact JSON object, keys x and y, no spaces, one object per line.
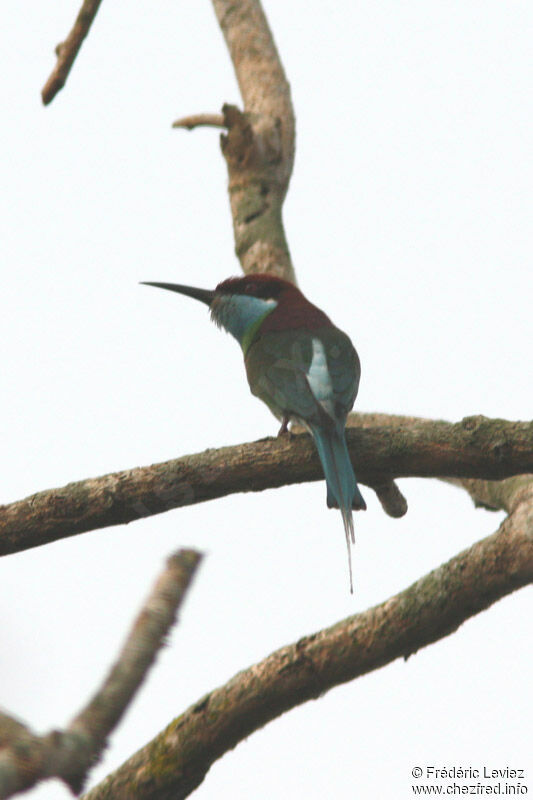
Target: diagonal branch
{"x":477,"y":447}
{"x":26,"y":759}
{"x":178,"y":759}
{"x":69,"y":49}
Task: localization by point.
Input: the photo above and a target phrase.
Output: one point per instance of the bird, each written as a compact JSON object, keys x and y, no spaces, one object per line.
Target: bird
{"x":303,"y":367}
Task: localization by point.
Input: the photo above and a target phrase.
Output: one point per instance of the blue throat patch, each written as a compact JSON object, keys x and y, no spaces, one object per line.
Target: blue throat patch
{"x":241,"y":315}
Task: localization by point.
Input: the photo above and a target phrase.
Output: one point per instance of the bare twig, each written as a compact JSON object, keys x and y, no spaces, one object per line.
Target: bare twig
{"x":177,"y":760}
{"x":476,"y":447}
{"x":69,"y":49}
{"x":26,"y":759}
{"x":392,"y":500}
{"x":197,"y":120}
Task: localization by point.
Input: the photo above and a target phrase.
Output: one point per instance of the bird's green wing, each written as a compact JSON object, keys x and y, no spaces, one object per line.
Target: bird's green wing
{"x":304,"y":373}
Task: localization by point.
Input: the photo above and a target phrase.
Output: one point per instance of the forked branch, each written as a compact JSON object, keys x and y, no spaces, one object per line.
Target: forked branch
{"x":26,"y":759}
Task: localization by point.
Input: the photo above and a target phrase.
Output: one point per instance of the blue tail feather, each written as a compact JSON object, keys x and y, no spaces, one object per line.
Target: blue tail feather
{"x":343,"y":492}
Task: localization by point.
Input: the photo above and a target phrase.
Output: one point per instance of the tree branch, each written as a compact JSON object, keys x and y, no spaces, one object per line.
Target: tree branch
{"x":26,"y":759}
{"x":178,"y":759}
{"x":69,"y":49}
{"x":259,"y":146}
{"x":477,"y":447}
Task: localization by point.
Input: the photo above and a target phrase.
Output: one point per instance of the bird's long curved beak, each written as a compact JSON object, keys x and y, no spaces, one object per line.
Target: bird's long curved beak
{"x":204,"y":295}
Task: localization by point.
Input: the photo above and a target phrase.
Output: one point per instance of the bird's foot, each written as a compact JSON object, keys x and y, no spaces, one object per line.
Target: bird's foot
{"x":284,"y":430}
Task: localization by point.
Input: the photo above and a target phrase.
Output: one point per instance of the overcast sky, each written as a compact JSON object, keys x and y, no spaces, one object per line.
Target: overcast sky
{"x":409,"y":222}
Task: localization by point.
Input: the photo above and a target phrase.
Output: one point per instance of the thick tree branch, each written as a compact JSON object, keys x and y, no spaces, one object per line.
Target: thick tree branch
{"x":26,"y":759}
{"x":493,"y":495}
{"x":69,"y":49}
{"x":477,"y":447}
{"x":177,"y":760}
{"x":259,"y":145}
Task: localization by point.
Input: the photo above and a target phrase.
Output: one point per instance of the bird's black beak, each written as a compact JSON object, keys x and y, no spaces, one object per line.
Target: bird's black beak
{"x":204,"y":295}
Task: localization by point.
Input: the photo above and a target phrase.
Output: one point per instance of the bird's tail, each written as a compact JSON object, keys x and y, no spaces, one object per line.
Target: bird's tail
{"x":343,"y":492}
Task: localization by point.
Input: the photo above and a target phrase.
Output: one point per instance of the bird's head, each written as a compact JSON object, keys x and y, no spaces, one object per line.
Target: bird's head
{"x":243,"y":305}
{"x":239,"y":304}
{"x":260,"y":286}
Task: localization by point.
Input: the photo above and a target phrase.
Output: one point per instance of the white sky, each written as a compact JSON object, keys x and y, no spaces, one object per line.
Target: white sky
{"x":406,"y":219}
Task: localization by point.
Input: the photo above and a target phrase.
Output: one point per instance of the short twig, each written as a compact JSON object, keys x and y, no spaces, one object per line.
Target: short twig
{"x":69,"y":49}
{"x":196,"y":120}
{"x":392,"y":500}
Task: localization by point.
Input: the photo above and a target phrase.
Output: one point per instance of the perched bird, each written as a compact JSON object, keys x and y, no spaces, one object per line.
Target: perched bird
{"x":302,"y":366}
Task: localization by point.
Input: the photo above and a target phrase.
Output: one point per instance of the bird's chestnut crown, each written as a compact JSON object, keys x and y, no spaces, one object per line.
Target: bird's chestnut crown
{"x":263,"y":286}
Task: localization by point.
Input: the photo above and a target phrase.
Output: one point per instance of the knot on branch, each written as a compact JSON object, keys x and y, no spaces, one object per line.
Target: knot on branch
{"x":238,"y":144}
{"x":496,"y":437}
{"x":472,"y":423}
{"x":253,"y":142}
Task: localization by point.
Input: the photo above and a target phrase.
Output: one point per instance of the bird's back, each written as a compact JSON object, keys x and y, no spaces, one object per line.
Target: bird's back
{"x":303,"y":374}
